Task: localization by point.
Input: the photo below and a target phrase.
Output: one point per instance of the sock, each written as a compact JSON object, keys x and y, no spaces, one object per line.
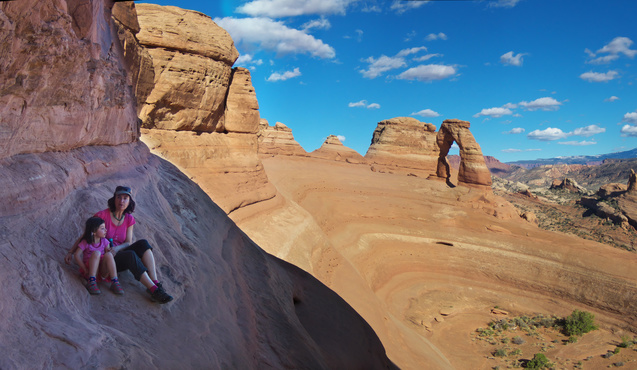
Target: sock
{"x":92,"y":278}
{"x":155,"y":281}
{"x":153,"y":288}
{"x":114,"y":280}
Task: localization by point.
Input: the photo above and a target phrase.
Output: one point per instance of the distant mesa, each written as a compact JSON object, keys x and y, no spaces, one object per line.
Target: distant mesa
{"x":333,"y":149}
{"x":277,"y":140}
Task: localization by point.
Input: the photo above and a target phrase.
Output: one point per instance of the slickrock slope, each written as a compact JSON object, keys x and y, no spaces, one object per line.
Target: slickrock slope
{"x":235,"y":306}
{"x":201,"y":114}
{"x":404,"y":145}
{"x":425,"y":263}
{"x":277,"y":140}
{"x":333,"y":149}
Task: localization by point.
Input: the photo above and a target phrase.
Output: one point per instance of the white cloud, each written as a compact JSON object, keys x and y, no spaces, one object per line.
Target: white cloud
{"x":629,"y":130}
{"x":516,"y":130}
{"x":546,"y":104}
{"x":504,"y":3}
{"x":405,"y":52}
{"x":604,"y":59}
{"x":247,"y":59}
{"x":382,"y":64}
{"x":402,"y":6}
{"x":274,"y":36}
{"x":512,"y":60}
{"x":428,"y":72}
{"x":425,"y":58}
{"x":290,"y":8}
{"x":436,"y":36}
{"x":598,"y":77}
{"x":341,"y":138}
{"x":321,"y":23}
{"x":548,"y":134}
{"x":284,"y":76}
{"x":589,"y":130}
{"x":577,"y":143}
{"x":619,"y":45}
{"x":611,"y":99}
{"x":363,"y":104}
{"x":630,"y":118}
{"x":494,"y":112}
{"x":426,"y":113}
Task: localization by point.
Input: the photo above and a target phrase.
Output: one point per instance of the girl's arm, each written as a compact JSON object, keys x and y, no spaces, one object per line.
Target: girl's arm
{"x":79,"y":259}
{"x":69,"y":255}
{"x":127,"y":242}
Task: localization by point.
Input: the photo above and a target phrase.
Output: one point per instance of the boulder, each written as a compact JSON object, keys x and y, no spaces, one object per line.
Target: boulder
{"x":404,"y":145}
{"x":278,"y":140}
{"x":472,"y":170}
{"x":333,"y":149}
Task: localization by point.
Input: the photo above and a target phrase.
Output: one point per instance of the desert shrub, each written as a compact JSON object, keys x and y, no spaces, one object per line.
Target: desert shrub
{"x":518,"y":340}
{"x":579,"y":323}
{"x":617,"y":350}
{"x":626,"y":342}
{"x":539,"y":362}
{"x":501,"y":352}
{"x":572,"y":339}
{"x":515,"y":352}
{"x":618,"y":364}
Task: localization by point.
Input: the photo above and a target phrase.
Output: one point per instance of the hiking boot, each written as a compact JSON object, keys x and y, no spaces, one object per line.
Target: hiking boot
{"x":93,"y":288}
{"x":117,"y":288}
{"x":160,"y":296}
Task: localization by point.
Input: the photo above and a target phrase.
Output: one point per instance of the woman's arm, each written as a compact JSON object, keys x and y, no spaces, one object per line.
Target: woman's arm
{"x":79,"y":259}
{"x":69,"y":255}
{"x":127,"y":242}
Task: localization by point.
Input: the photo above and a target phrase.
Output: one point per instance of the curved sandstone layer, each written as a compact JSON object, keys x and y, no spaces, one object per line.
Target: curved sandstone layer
{"x":334,"y":150}
{"x":403,"y":249}
{"x":404,"y":145}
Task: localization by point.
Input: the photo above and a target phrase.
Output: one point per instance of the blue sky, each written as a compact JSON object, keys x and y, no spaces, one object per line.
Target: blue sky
{"x":536,"y":78}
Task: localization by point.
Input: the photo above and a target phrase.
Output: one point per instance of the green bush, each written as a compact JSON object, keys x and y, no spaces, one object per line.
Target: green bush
{"x":539,"y":362}
{"x":500,"y":353}
{"x":579,"y":323}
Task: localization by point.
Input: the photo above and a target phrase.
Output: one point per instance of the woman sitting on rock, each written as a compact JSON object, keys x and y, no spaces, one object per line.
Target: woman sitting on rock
{"x":138,"y":256}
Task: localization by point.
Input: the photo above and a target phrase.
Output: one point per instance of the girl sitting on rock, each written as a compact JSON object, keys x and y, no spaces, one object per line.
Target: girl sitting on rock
{"x":93,"y":253}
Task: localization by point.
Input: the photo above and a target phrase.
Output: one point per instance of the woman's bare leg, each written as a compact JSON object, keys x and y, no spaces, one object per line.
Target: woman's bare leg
{"x":148,"y":259}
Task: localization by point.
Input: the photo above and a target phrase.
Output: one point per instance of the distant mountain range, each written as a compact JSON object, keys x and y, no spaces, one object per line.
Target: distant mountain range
{"x":580,"y":159}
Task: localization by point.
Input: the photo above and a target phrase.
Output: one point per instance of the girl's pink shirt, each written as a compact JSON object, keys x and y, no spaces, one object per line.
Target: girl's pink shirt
{"x":90,"y":248}
{"x":117,"y":233}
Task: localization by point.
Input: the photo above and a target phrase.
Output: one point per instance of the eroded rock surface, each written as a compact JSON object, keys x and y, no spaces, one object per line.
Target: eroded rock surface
{"x":404,"y":145}
{"x":333,"y":149}
{"x":62,"y":86}
{"x":278,"y":140}
{"x":472,"y":169}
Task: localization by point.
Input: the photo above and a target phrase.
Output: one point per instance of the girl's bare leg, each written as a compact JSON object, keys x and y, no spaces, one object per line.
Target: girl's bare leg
{"x":94,"y":263}
{"x":108,"y":266}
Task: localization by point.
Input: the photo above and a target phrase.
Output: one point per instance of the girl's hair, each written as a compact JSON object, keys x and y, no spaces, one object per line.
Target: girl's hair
{"x":92,"y":224}
{"x":129,"y":209}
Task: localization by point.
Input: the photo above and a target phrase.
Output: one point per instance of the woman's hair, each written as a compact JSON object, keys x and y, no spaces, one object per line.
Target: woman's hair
{"x":92,"y":224}
{"x":122,"y":190}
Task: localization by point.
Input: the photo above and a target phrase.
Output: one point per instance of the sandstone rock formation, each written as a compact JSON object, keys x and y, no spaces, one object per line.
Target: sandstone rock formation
{"x":277,"y":140}
{"x":632,"y":182}
{"x":611,"y":190}
{"x":231,"y":298}
{"x":62,"y":85}
{"x":472,"y":169}
{"x":333,"y":149}
{"x":404,"y":145}
{"x":200,"y":113}
{"x":568,"y":185}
